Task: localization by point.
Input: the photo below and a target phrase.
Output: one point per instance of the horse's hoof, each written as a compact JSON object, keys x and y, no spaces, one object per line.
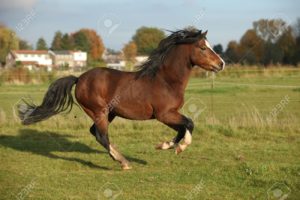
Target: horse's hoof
{"x":126,"y":167}
{"x":165,"y":145}
{"x":178,"y":150}
{"x":159,"y":146}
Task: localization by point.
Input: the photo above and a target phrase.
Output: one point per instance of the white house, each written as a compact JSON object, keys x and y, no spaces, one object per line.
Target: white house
{"x":61,"y":58}
{"x":119,"y":65}
{"x":114,"y":60}
{"x":79,"y":58}
{"x":141,"y":59}
{"x":29,"y":58}
{"x":69,"y":58}
{"x":37,"y":58}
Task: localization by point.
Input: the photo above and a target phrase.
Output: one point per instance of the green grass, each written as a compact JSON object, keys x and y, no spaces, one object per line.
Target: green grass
{"x":239,"y":150}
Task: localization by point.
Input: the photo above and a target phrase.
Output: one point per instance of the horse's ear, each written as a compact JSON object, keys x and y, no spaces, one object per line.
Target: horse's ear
{"x":204,"y":34}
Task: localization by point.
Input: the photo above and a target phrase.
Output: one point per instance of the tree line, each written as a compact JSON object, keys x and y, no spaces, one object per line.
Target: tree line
{"x":143,"y":42}
{"x":269,"y":41}
{"x":84,"y":40}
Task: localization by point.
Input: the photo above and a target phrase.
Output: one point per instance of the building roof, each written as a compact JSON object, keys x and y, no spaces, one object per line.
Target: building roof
{"x":62,"y":52}
{"x":30,"y":51}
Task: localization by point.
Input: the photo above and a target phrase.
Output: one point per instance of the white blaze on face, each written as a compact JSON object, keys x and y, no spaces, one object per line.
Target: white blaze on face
{"x":208,"y":46}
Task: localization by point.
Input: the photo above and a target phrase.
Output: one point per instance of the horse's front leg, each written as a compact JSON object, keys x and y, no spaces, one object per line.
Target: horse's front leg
{"x":166,"y":145}
{"x":184,"y":127}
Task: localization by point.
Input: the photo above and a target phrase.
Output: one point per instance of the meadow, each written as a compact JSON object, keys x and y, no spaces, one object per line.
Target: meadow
{"x":246,"y":145}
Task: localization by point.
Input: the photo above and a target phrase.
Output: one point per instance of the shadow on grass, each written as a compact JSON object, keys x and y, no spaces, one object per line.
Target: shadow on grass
{"x":136,"y":160}
{"x":44,"y":143}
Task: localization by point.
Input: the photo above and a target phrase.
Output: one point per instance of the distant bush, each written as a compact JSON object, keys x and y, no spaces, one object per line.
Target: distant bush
{"x":96,"y":63}
{"x":2,"y":116}
{"x":239,"y":71}
{"x":21,"y":75}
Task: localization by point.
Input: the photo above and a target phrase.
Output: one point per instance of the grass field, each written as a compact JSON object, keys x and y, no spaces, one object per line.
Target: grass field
{"x":246,"y":145}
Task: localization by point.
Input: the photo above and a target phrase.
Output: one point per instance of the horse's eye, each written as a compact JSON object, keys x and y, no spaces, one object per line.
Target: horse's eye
{"x":203,"y":48}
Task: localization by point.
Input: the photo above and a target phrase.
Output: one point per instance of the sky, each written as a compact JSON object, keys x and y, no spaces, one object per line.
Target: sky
{"x":116,"y":21}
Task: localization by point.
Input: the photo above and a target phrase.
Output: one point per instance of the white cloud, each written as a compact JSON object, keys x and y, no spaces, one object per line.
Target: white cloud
{"x":17,"y":4}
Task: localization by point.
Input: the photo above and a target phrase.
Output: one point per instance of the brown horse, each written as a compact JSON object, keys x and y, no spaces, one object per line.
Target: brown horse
{"x":156,"y":91}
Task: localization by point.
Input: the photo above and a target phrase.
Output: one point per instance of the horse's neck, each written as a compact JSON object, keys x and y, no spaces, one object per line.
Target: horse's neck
{"x":176,"y":69}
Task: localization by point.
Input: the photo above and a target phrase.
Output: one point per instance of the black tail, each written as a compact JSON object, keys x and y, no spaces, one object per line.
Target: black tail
{"x":57,"y":99}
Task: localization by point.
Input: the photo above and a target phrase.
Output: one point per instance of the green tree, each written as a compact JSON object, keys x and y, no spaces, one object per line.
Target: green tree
{"x":251,"y":47}
{"x":96,"y":44}
{"x":218,"y":49}
{"x":287,"y":44}
{"x":296,"y":30}
{"x":41,"y":44}
{"x":147,"y":39}
{"x":272,"y":54}
{"x":279,"y":43}
{"x":88,"y":40}
{"x":24,"y":45}
{"x":81,"y":41}
{"x":232,"y":52}
{"x":270,"y":41}
{"x":66,"y":42}
{"x":56,"y":42}
{"x":8,"y":41}
{"x":112,"y":51}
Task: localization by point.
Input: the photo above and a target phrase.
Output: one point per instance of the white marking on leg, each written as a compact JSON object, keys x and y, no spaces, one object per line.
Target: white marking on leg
{"x":113,"y":152}
{"x":167,"y":145}
{"x":117,"y":156}
{"x":208,"y":46}
{"x":186,"y":142}
{"x":188,"y":137}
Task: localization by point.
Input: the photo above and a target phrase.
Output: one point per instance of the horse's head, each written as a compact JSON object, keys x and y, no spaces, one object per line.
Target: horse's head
{"x":188,"y":45}
{"x":204,"y":56}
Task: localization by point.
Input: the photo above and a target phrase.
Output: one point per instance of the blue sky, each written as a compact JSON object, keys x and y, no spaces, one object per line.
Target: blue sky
{"x":116,"y":21}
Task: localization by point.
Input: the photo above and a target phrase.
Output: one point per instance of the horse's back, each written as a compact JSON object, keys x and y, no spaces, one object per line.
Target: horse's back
{"x":99,"y":82}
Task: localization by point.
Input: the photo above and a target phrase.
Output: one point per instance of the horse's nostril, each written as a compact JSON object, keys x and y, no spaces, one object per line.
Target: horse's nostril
{"x":222,"y":65}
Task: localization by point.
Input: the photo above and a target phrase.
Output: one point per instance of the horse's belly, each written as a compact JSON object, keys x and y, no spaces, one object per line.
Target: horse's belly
{"x":135,"y":111}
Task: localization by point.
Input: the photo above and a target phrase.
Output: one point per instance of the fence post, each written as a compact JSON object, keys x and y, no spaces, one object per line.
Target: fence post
{"x":212,"y":95}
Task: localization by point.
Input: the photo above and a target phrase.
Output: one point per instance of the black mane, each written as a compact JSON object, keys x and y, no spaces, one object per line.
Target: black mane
{"x":158,"y":55}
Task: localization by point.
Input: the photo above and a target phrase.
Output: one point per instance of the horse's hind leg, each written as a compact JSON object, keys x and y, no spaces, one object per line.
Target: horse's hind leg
{"x":111,"y":117}
{"x":101,"y":133}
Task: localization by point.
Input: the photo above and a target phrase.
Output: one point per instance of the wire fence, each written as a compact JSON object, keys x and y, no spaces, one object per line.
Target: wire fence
{"x":245,"y":84}
{"x":214,"y":103}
